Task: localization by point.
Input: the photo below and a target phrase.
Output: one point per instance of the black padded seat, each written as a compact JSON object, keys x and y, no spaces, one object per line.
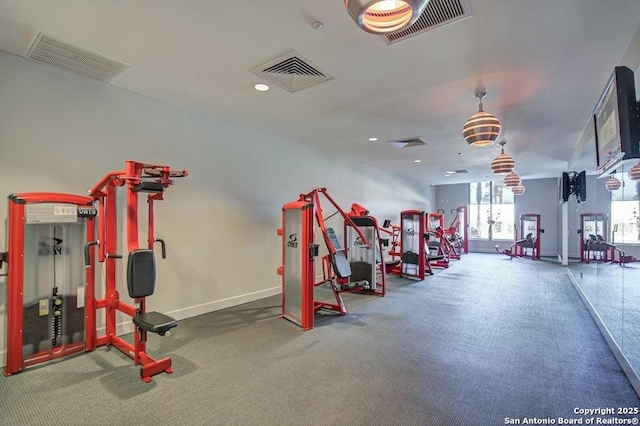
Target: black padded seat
{"x":141,"y":282}
{"x":155,"y":322}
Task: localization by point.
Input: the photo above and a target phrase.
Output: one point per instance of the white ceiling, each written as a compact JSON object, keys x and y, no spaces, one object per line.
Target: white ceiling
{"x":543,"y":63}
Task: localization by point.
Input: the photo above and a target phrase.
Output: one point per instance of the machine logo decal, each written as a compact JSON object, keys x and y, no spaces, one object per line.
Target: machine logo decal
{"x":293,"y":241}
{"x":52,"y":247}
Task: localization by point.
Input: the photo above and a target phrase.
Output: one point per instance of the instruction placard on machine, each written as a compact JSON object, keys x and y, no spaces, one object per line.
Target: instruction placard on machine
{"x":51,"y":213}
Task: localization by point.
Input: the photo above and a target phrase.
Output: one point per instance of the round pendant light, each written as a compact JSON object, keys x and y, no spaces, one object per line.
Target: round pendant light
{"x":502,"y":164}
{"x":385,"y":16}
{"x":482,"y":128}
{"x":613,"y":184}
{"x":518,"y":189}
{"x":511,"y":180}
{"x":634,"y":172}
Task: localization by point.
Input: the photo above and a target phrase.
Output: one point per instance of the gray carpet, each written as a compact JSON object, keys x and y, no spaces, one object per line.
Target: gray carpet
{"x":487,"y":339}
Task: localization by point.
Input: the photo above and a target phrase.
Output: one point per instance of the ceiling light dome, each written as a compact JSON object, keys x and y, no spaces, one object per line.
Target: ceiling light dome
{"x":511,"y":180}
{"x":385,"y":16}
{"x":502,"y":164}
{"x":613,"y":184}
{"x":482,"y":128}
{"x":634,"y":172}
{"x":518,"y":189}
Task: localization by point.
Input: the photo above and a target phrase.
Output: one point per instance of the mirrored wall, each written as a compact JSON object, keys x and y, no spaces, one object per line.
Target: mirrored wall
{"x":604,"y":250}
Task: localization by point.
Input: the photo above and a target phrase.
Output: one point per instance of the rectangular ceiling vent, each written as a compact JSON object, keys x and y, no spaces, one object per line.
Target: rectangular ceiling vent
{"x":57,"y":53}
{"x":292,"y":72}
{"x":457,"y":172}
{"x":436,"y":14}
{"x":408,"y":143}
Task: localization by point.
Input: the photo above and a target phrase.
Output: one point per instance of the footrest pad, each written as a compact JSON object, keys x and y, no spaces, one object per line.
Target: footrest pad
{"x":355,"y":284}
{"x":155,"y":322}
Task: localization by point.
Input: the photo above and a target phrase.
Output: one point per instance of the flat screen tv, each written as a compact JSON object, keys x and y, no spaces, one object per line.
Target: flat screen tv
{"x":580,"y":186}
{"x":564,"y":187}
{"x":616,"y":122}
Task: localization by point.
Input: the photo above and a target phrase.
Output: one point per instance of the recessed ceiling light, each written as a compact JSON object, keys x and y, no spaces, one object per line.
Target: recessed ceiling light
{"x":447,"y":175}
{"x":417,"y":161}
{"x":261,"y":87}
{"x":451,"y":172}
{"x":373,"y":139}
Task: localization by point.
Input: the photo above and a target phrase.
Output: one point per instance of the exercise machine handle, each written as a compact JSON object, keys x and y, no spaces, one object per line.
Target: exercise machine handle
{"x":162,"y":246}
{"x":87,"y":260}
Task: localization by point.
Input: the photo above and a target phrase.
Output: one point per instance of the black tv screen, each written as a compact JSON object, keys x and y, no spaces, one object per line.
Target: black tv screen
{"x":581,"y":186}
{"x":564,"y":187}
{"x":616,"y":122}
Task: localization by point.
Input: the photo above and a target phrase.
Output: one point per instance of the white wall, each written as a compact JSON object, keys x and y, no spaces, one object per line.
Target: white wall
{"x":60,"y":132}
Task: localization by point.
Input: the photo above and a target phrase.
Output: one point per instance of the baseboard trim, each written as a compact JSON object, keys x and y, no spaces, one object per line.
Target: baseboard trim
{"x":613,"y":345}
{"x":229,"y":302}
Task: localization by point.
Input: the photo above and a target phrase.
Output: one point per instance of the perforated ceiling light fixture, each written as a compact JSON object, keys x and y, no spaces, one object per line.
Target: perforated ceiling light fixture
{"x":518,"y":189}
{"x":634,"y":172}
{"x":502,"y":164}
{"x":385,"y":16}
{"x":613,"y":184}
{"x":511,"y":180}
{"x":482,"y":128}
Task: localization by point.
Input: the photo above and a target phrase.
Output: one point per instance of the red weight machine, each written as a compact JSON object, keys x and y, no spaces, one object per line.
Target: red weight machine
{"x":366,"y":261}
{"x":593,"y":242}
{"x":438,"y":245}
{"x":299,"y":251}
{"x":52,"y":307}
{"x":528,"y":244}
{"x":458,"y":230}
{"x":136,"y":178}
{"x":395,"y":250}
{"x":49,"y":305}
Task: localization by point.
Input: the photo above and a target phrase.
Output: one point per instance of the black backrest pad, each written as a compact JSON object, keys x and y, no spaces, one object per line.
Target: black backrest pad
{"x":141,"y":273}
{"x":339,"y":259}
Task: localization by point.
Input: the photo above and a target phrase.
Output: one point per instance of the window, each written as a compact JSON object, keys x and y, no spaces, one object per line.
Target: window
{"x":491,"y":211}
{"x":625,"y":212}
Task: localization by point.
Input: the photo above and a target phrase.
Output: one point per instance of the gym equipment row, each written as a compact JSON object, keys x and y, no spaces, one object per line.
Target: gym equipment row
{"x":52,"y":307}
{"x":527,"y":243}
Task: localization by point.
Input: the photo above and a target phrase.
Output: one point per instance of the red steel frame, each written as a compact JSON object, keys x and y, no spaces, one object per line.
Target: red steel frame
{"x":15,"y":362}
{"x":104,"y":193}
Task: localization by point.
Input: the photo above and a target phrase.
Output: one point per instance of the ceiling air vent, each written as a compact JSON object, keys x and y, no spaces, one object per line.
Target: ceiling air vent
{"x":408,"y":143}
{"x":292,"y":72}
{"x":436,"y":14}
{"x":57,"y":53}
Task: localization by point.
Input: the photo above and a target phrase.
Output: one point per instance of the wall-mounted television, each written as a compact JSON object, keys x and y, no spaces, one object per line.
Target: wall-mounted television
{"x":572,"y":183}
{"x":616,"y":122}
{"x":564,"y":187}
{"x":580,"y":186}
